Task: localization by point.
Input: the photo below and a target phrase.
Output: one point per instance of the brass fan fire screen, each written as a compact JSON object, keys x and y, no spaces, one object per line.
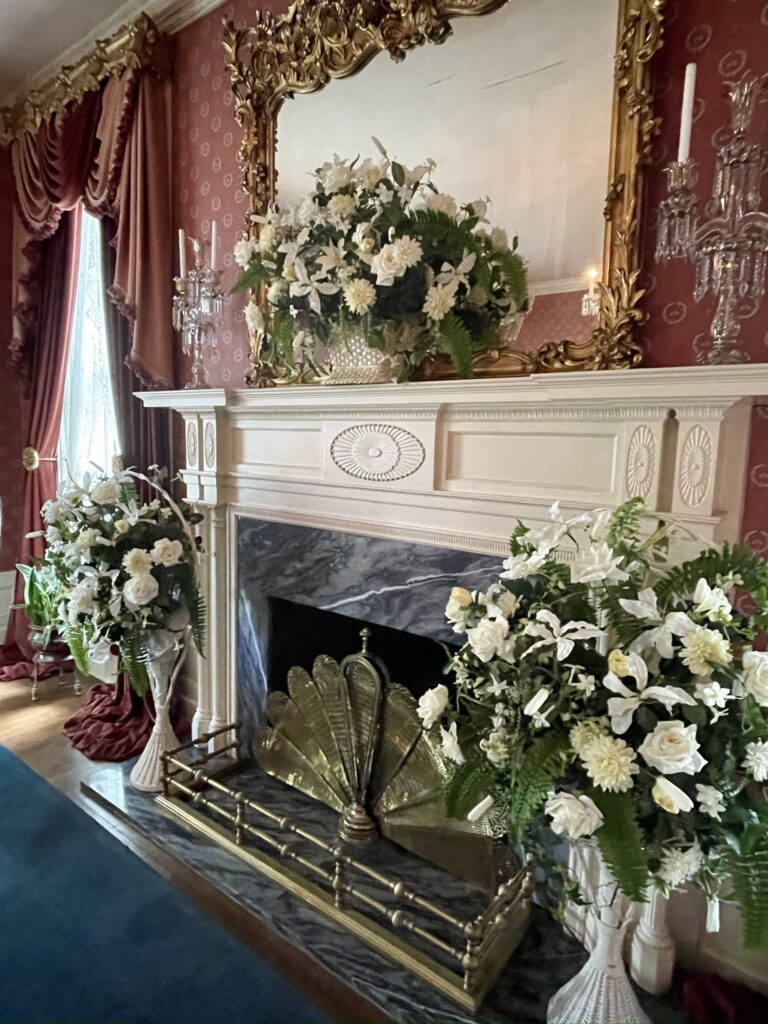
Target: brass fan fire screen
{"x":351,"y":739}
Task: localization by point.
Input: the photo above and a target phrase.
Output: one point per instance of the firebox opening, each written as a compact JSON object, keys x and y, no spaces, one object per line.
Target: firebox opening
{"x":298,"y":633}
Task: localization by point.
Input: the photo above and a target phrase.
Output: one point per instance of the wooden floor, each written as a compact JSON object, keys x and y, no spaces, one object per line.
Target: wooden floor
{"x":33,"y":733}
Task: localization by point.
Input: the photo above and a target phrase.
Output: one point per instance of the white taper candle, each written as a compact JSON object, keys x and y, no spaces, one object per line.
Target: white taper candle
{"x":686,"y":113}
{"x":214,"y":244}
{"x":182,"y":253}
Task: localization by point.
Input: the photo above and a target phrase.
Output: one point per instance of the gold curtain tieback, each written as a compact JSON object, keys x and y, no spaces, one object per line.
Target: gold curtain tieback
{"x":31,"y":459}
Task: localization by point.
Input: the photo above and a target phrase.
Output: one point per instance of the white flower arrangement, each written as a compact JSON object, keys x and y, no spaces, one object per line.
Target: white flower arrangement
{"x":376,"y":248}
{"x":118,"y":570}
{"x":610,"y":696}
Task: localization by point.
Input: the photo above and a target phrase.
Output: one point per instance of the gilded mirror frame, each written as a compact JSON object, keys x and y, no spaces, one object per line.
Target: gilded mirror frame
{"x":316,"y":41}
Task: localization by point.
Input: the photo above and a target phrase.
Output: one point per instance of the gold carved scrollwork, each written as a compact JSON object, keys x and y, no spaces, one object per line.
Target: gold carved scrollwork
{"x":136,"y":45}
{"x":318,"y":40}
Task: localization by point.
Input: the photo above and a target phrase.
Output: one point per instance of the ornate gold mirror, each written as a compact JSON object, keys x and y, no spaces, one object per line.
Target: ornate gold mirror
{"x":522,"y":105}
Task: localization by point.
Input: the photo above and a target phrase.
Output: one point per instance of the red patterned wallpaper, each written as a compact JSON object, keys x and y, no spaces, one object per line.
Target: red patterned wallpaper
{"x":11,"y":431}
{"x":552,"y":318}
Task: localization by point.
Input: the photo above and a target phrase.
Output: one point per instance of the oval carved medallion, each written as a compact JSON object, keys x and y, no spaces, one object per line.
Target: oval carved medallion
{"x":695,"y":466}
{"x":377,"y":451}
{"x":191,"y":445}
{"x":641,"y":462}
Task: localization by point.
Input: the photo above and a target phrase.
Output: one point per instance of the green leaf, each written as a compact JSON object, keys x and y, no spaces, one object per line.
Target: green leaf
{"x":456,"y":340}
{"x":515,"y":274}
{"x":749,"y":874}
{"x":249,"y":278}
{"x":542,"y":765}
{"x":398,"y":173}
{"x":467,"y":786}
{"x":622,"y":842}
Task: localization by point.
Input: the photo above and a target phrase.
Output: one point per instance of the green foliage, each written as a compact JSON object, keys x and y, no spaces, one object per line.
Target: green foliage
{"x":282,"y":336}
{"x":622,"y":842}
{"x":513,"y":270}
{"x":78,"y":639}
{"x":41,"y":593}
{"x":456,"y":340}
{"x":467,"y":786}
{"x":250,"y":278}
{"x":748,"y":868}
{"x":134,"y":657}
{"x":541,"y":765}
{"x":624,"y":529}
{"x":435,"y":226}
{"x":680,"y":581}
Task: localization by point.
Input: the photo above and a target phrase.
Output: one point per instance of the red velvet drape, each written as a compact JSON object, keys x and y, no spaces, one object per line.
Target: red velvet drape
{"x":49,"y":364}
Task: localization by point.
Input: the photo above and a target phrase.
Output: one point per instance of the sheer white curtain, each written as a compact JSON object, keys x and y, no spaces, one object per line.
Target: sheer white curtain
{"x":88,"y":428}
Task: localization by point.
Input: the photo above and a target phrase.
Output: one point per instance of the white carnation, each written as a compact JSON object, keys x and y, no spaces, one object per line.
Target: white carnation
{"x":704,"y":648}
{"x":408,"y":250}
{"x":680,"y":866}
{"x":137,"y":562}
{"x":244,"y":251}
{"x":359,"y":295}
{"x":440,"y":299}
{"x":573,"y":816}
{"x":610,"y":763}
{"x":756,"y":761}
{"x":276,"y":291}
{"x":140,"y":590}
{"x":496,"y":747}
{"x":341,"y":205}
{"x":254,"y":318}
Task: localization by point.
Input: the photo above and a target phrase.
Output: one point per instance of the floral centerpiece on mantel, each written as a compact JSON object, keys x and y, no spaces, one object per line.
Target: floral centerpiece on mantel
{"x":125,"y":576}
{"x":376,"y":262}
{"x":617,"y":699}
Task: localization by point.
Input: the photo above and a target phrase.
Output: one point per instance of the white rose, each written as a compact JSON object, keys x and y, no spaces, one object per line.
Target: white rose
{"x":672,"y":748}
{"x":490,"y":638}
{"x":496,"y":747}
{"x":107,"y":492}
{"x":140,"y":590}
{"x":387,"y":265}
{"x":122,"y":525}
{"x":167,"y":552}
{"x":596,"y":564}
{"x":450,"y":744}
{"x":456,"y":609}
{"x":573,"y":816}
{"x":432,"y":704}
{"x":670,"y":797}
{"x":499,"y":239}
{"x":756,"y":675}
{"x":442,"y":203}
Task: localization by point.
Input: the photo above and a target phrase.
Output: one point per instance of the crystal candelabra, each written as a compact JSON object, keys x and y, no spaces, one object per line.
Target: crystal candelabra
{"x":730,"y":247}
{"x":197,"y":310}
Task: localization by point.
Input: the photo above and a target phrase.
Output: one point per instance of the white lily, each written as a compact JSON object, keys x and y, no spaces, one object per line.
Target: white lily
{"x":554,"y":633}
{"x":311,"y":287}
{"x":331,"y":258}
{"x":291,"y":249}
{"x":534,"y":706}
{"x":457,"y":275}
{"x":660,"y":635}
{"x":622,"y":708}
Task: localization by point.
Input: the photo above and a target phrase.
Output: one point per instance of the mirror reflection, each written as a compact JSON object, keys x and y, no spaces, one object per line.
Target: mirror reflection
{"x":514,"y":106}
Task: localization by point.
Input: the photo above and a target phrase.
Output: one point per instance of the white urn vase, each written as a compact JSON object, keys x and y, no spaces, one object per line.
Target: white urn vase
{"x":165,"y":657}
{"x":653,"y":951}
{"x":601,"y":992}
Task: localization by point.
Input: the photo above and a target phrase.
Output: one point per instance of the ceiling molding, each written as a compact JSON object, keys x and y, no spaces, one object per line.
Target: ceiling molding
{"x":170,"y":16}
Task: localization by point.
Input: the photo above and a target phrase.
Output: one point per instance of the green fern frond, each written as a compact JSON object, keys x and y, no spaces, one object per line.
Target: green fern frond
{"x":749,"y":874}
{"x":467,"y":786}
{"x":281,"y":338}
{"x":436,"y":226}
{"x":624,"y":527}
{"x":134,"y":657}
{"x":542,"y":766}
{"x":515,"y":274}
{"x":680,"y":581}
{"x":622,"y":842}
{"x":78,"y":640}
{"x":456,"y":340}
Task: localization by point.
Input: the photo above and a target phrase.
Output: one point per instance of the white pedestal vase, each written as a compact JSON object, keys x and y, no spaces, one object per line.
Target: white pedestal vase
{"x":601,"y":993}
{"x":653,"y":950}
{"x":166,"y":657}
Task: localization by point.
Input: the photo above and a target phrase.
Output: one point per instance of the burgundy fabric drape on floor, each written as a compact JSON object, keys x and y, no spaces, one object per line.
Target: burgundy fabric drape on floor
{"x":49,"y":365}
{"x":114,"y":723}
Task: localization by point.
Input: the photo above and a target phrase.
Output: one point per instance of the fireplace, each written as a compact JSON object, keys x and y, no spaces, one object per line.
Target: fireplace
{"x":263,"y":463}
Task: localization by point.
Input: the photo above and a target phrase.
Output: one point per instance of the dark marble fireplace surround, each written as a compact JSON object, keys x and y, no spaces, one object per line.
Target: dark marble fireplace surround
{"x":382,"y":582}
{"x":379,"y":581}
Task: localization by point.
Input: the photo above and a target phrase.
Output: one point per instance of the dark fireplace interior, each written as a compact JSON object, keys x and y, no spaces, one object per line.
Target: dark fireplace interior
{"x":299,"y":633}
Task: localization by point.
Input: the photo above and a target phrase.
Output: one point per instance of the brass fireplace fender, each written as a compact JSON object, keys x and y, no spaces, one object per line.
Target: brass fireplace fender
{"x":316,"y":41}
{"x":484,"y":943}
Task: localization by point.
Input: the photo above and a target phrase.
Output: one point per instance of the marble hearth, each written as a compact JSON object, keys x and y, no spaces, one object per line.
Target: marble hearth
{"x":373,"y":501}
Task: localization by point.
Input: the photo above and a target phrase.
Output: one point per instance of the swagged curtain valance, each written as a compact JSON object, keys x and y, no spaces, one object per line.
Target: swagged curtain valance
{"x":109,"y":150}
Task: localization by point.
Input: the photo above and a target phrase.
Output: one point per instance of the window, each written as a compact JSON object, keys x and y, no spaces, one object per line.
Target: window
{"x":88,"y":426}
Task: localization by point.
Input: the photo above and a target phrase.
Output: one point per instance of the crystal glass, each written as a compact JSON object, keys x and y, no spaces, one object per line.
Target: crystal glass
{"x":353,"y":361}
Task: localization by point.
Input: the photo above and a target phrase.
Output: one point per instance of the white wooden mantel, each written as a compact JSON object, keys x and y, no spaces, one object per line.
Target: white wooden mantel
{"x":457,"y":463}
